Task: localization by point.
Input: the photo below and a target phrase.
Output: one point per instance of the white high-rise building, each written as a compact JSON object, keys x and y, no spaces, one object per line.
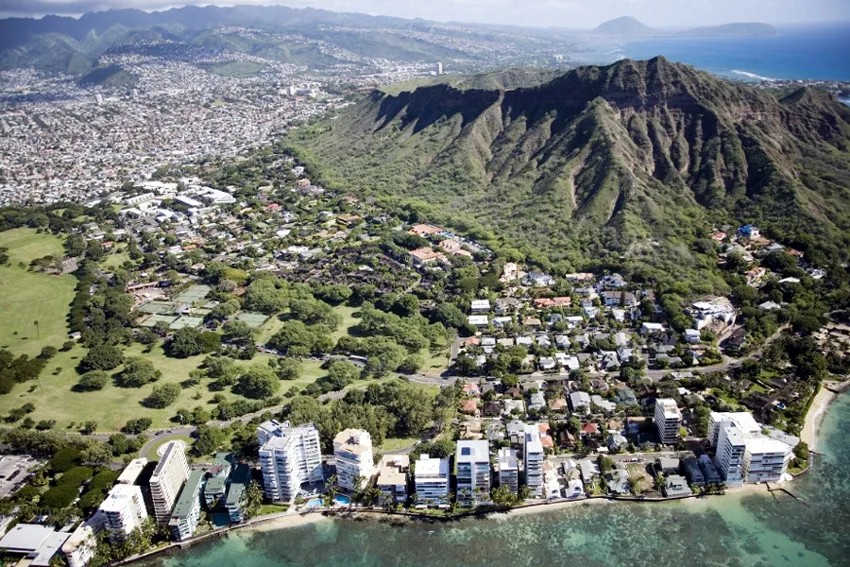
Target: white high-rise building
{"x":439,"y":67}
{"x":353,"y":456}
{"x":168,"y":478}
{"x":743,"y":453}
{"x":667,"y":420}
{"x":431,"y":481}
{"x":123,"y":510}
{"x":533,"y":456}
{"x":472,"y":469}
{"x":508,"y":469}
{"x":289,"y":457}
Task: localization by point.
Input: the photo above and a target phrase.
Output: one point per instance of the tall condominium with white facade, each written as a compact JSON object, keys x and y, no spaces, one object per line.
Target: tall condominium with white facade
{"x":508,"y":469}
{"x":289,"y":457}
{"x":168,"y":478}
{"x":533,"y":456}
{"x":472,"y":469}
{"x":123,"y":510}
{"x":743,"y":453}
{"x":431,"y":481}
{"x":353,"y":456}
{"x":667,"y":420}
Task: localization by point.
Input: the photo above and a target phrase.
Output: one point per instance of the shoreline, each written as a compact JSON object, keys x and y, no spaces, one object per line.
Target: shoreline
{"x":813,"y":420}
{"x":816,"y":413}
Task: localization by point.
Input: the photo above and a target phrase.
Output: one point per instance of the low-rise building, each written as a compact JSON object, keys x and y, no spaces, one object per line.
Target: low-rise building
{"x":38,"y":544}
{"x":392,"y":477}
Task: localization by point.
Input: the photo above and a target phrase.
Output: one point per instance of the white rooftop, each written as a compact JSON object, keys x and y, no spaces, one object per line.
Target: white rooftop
{"x":432,"y":466}
{"x":473,"y":451}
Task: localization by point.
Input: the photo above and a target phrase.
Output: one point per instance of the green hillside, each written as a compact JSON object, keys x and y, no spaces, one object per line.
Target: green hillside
{"x":627,"y":163}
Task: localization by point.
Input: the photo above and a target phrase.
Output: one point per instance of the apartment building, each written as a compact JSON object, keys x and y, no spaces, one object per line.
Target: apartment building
{"x":123,"y":510}
{"x":431,"y":482}
{"x":668,"y":420}
{"x":533,"y":457}
{"x":289,"y":457}
{"x":392,"y":477}
{"x":353,"y":456}
{"x":187,"y":511}
{"x":472,"y":470}
{"x":508,"y":469}
{"x":743,"y":453}
{"x":168,"y":478}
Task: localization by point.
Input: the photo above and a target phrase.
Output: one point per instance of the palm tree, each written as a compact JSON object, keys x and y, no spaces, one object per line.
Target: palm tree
{"x":330,"y":491}
{"x":37,"y":329}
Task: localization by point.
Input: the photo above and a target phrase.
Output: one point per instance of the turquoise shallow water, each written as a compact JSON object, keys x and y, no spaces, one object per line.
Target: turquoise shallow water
{"x":733,"y":530}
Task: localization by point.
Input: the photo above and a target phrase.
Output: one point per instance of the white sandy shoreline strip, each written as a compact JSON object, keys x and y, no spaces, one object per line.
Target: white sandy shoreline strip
{"x":815,"y":415}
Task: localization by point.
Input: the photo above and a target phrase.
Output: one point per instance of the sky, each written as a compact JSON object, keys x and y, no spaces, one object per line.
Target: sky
{"x":543,"y":13}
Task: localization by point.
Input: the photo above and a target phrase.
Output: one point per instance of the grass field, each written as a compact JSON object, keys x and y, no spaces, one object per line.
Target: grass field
{"x":111,"y":407}
{"x":390,"y":445}
{"x":30,"y":296}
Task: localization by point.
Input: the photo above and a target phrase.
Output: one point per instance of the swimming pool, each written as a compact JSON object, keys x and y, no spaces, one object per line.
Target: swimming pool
{"x":339,"y":500}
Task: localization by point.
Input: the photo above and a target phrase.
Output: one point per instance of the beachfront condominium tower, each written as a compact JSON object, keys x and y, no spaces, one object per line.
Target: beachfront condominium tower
{"x":353,"y":456}
{"x":508,"y":469}
{"x":431,"y":482}
{"x":667,"y":419}
{"x":533,"y":456}
{"x":472,"y":470}
{"x":123,"y":510}
{"x":289,"y":457}
{"x":168,"y":478}
{"x":743,"y":453}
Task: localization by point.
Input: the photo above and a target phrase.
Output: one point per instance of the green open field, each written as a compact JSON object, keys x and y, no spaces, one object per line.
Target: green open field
{"x":30,"y":296}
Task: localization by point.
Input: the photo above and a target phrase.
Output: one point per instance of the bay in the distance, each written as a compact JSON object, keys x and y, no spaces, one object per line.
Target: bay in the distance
{"x":812,"y":52}
{"x":738,"y":529}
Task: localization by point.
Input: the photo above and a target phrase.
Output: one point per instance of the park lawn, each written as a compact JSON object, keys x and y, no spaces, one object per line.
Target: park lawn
{"x":32,"y":296}
{"x":348,"y":320}
{"x":116,"y":259}
{"x":392,"y":444}
{"x":111,"y":407}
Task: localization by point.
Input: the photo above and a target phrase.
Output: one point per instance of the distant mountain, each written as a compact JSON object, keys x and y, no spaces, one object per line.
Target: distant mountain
{"x":602,"y":163}
{"x":734,"y":30}
{"x":624,"y":27}
{"x":303,"y":36}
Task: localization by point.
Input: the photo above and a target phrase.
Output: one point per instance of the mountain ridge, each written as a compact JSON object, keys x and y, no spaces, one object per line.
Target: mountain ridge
{"x":599,"y":161}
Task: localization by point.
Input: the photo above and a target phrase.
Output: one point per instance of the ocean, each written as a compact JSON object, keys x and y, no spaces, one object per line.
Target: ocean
{"x":806,"y":53}
{"x":738,"y":529}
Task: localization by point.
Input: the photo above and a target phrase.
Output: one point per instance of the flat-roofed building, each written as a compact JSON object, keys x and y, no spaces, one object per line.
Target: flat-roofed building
{"x":392,"y":477}
{"x":168,"y":478}
{"x":508,"y":469}
{"x":667,"y":419}
{"x":532,"y":456}
{"x":132,"y":471}
{"x":289,"y":457}
{"x":743,"y":453}
{"x":39,"y":544}
{"x":431,"y":482}
{"x":353,"y":456}
{"x":187,"y":510}
{"x":472,"y":470}
{"x":80,"y":547}
{"x":123,"y":510}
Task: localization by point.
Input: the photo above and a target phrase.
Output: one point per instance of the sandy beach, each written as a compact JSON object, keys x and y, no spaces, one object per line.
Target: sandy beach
{"x":290,"y":520}
{"x":815,"y":415}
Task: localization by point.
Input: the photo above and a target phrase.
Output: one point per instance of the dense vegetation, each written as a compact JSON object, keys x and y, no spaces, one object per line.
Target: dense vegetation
{"x":626,"y":166}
